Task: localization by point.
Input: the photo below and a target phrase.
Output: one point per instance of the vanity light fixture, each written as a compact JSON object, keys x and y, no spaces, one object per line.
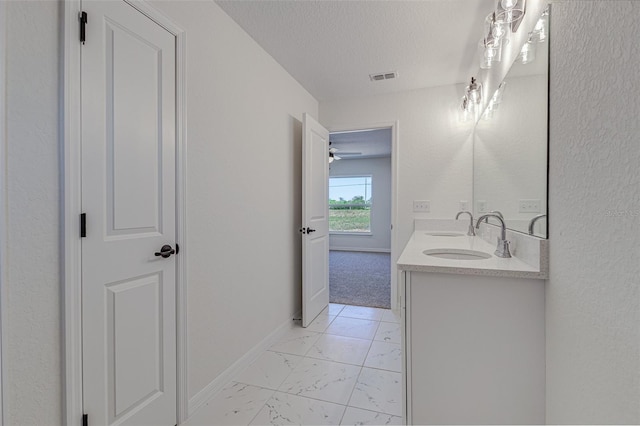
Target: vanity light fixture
{"x":490,"y":46}
{"x":490,"y":52}
{"x":467,"y":110}
{"x":470,"y":106}
{"x":541,"y":30}
{"x":510,"y":11}
{"x":474,"y":92}
{"x":494,"y":102}
{"x":528,"y":52}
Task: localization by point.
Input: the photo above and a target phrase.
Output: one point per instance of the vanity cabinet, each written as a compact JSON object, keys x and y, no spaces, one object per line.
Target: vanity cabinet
{"x":474,"y":349}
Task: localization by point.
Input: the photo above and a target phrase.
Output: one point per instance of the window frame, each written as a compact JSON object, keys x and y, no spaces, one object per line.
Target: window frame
{"x":368,"y":233}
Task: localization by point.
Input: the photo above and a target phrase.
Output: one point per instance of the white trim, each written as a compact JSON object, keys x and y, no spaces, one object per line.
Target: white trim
{"x":363,"y":249}
{"x":71,"y":140}
{"x":406,"y":346}
{"x":181,"y":228}
{"x":72,"y":304}
{"x":3,"y":192}
{"x":395,"y":151}
{"x":243,"y":362}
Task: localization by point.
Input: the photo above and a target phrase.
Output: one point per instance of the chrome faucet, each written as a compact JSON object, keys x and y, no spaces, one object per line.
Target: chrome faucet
{"x":471,"y":232}
{"x":496,"y":212}
{"x":503,"y":245}
{"x":533,"y":222}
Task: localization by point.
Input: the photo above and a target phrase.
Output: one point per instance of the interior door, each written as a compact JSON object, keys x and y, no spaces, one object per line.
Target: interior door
{"x":128,"y":196}
{"x":315,"y":219}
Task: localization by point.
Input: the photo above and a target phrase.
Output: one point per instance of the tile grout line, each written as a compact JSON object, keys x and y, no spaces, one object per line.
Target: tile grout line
{"x":263,"y":405}
{"x":312,"y":359}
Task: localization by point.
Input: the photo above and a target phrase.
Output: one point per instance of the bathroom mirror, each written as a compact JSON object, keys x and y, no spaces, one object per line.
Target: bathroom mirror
{"x":510,"y":149}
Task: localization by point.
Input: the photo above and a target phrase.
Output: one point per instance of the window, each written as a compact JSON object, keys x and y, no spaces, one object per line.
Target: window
{"x":350,"y":204}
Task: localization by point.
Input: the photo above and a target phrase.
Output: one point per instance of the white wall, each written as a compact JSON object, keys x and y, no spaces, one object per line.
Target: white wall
{"x":32,"y":334}
{"x":593,"y":293}
{"x":244,"y":190}
{"x":242,"y":200}
{"x":434,"y":147}
{"x":380,"y":171}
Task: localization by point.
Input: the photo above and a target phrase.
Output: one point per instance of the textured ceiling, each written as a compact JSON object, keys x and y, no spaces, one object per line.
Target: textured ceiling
{"x":332,"y":46}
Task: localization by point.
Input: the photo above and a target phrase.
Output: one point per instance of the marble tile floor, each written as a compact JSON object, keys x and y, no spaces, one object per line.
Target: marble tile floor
{"x":344,"y":369}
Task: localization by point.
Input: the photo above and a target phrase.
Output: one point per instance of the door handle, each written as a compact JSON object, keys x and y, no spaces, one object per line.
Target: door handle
{"x":309,"y":230}
{"x":165,"y":251}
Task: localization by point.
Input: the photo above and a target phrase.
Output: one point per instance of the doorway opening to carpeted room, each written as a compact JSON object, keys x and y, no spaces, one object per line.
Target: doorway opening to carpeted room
{"x":360,"y":193}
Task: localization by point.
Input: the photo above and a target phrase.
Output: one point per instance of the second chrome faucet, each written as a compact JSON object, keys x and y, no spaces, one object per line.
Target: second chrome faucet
{"x":503,"y":245}
{"x":471,"y":232}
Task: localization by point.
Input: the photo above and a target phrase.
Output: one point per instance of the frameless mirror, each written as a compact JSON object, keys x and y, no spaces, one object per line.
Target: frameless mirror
{"x":510,"y":148}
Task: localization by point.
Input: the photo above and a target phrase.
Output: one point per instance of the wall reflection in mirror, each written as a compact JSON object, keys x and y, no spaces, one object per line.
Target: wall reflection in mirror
{"x":510,"y":146}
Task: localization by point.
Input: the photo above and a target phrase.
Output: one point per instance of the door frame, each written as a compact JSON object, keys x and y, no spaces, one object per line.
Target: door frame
{"x":3,"y":193}
{"x":394,"y":126}
{"x":71,"y":208}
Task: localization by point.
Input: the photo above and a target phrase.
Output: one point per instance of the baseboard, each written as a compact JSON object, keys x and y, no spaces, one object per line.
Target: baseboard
{"x":369,"y":250}
{"x":243,"y":362}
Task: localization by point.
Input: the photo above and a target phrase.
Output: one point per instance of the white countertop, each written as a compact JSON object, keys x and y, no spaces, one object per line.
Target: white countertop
{"x":413,"y":258}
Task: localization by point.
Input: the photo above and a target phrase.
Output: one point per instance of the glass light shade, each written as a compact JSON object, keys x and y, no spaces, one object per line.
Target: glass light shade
{"x":541,"y":30}
{"x":528,"y":52}
{"x":489,"y":52}
{"x":497,"y":96}
{"x":474,"y":95}
{"x":493,"y":29}
{"x":510,"y":11}
{"x":468,"y":110}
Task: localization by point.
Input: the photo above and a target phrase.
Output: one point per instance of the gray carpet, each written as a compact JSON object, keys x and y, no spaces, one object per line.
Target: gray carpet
{"x":359,"y":278}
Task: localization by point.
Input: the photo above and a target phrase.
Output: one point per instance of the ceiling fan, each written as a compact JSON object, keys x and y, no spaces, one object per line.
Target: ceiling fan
{"x":333,"y":156}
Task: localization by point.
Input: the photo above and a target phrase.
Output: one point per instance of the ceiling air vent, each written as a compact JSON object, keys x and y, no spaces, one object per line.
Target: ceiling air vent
{"x":383,"y":76}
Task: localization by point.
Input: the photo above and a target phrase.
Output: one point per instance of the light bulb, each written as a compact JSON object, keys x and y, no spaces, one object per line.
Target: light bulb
{"x":528,"y":53}
{"x":510,"y":11}
{"x":540,"y":31}
{"x":508,"y":4}
{"x":490,"y":52}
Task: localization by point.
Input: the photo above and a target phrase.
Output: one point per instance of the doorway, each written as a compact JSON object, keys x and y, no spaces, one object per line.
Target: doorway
{"x":360,"y":217}
{"x":124,"y":316}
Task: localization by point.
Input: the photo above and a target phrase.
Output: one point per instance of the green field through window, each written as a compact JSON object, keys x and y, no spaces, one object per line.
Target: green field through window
{"x":350,"y":204}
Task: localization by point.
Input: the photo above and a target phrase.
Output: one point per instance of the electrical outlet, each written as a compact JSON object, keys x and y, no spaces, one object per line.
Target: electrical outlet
{"x":421,"y":206}
{"x":482,"y":206}
{"x":464,"y":205}
{"x":529,"y":206}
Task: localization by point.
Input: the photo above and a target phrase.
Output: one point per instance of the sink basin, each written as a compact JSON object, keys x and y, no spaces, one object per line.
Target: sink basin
{"x":445,"y":234}
{"x":457,"y":254}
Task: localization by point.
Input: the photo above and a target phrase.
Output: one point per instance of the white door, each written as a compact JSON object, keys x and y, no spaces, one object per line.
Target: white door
{"x":315,"y":219}
{"x":128,"y":196}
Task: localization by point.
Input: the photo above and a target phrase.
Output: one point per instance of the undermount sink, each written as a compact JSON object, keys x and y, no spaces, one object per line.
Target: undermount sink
{"x":457,"y":254}
{"x":445,"y":234}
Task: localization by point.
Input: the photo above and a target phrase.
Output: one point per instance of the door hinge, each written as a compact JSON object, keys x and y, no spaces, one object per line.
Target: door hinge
{"x":83,"y":225}
{"x":177,"y":248}
{"x":83,"y":26}
{"x":85,"y":420}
